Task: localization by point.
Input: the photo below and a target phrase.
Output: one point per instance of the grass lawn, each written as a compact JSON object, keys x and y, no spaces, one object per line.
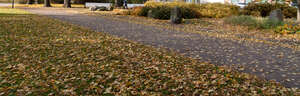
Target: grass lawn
{"x":43,"y":56}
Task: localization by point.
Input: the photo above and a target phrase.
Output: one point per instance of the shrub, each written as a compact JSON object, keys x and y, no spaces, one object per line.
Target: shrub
{"x":288,"y":11}
{"x":188,"y":10}
{"x":288,"y":29}
{"x":242,"y":20}
{"x":270,"y":23}
{"x":264,"y":9}
{"x":138,"y":11}
{"x":253,"y":22}
{"x":161,"y":12}
{"x":218,"y":10}
{"x":255,"y":13}
{"x":144,"y":11}
{"x":153,"y":4}
{"x":213,"y":10}
{"x":122,"y":12}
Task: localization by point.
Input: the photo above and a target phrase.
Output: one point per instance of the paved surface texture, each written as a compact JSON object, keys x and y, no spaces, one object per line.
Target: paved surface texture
{"x":267,"y":61}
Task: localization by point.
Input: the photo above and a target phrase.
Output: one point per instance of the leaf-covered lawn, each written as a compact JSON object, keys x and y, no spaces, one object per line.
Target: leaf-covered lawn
{"x":43,"y":56}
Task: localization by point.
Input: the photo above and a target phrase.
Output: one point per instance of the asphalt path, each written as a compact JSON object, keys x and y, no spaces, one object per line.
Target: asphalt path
{"x":267,"y":61}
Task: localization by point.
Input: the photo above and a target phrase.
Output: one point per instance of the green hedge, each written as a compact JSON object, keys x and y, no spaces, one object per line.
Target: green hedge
{"x":161,"y":10}
{"x":253,"y":22}
{"x":264,"y":9}
{"x":218,"y":10}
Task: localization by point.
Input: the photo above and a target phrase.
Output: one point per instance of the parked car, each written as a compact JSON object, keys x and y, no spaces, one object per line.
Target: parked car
{"x":242,"y":5}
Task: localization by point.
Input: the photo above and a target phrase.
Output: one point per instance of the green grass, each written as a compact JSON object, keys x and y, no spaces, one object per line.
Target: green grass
{"x":253,"y":22}
{"x":242,"y":20}
{"x":43,"y":56}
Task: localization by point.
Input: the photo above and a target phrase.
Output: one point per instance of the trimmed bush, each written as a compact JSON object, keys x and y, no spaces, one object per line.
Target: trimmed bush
{"x":189,"y":12}
{"x":270,"y":23}
{"x":138,"y":11}
{"x":264,"y":9}
{"x":218,"y":10}
{"x":242,"y":20}
{"x":122,"y":12}
{"x":161,"y":10}
{"x":164,"y":9}
{"x":253,"y":22}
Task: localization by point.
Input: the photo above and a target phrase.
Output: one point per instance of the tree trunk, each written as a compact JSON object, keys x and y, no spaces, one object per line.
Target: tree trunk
{"x":36,"y":2}
{"x":47,"y":3}
{"x":13,"y":4}
{"x":298,"y":11}
{"x":67,"y":3}
{"x":298,"y":14}
{"x":30,"y":1}
{"x":118,"y":3}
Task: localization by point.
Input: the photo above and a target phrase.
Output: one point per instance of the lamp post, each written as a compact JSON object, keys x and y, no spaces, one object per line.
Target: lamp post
{"x":13,"y":4}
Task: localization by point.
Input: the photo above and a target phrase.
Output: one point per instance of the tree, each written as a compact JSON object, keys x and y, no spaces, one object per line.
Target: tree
{"x":47,"y":3}
{"x":298,"y":11}
{"x":30,"y":1}
{"x":118,"y":3}
{"x":67,"y":3}
{"x":37,"y":1}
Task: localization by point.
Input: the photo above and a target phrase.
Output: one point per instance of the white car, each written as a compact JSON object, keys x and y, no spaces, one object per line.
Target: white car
{"x":242,"y":5}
